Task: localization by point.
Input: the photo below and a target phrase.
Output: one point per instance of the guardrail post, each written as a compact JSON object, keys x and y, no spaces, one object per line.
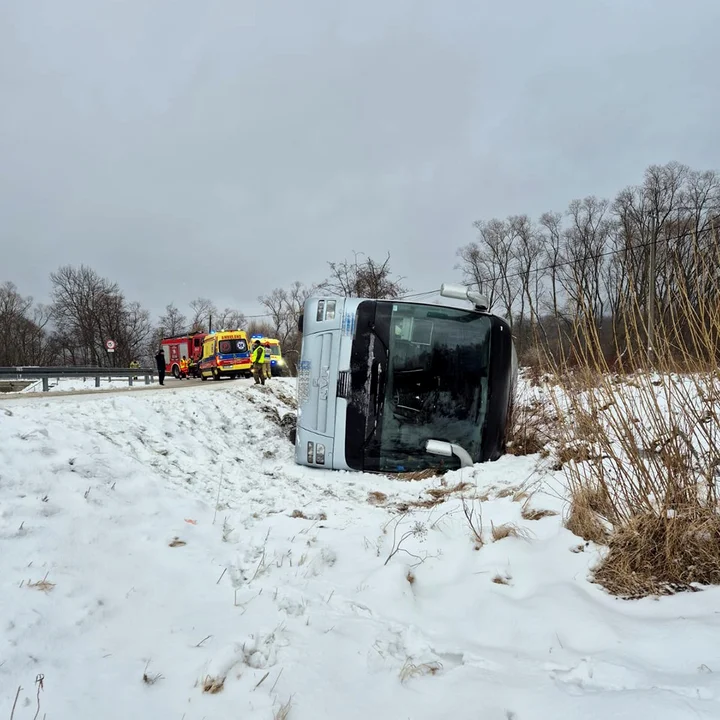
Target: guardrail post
{"x":147,"y":379}
{"x":130,"y":380}
{"x":97,"y":381}
{"x":46,"y":384}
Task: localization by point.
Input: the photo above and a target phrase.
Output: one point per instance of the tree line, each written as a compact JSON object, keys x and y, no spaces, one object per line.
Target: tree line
{"x":593,"y":271}
{"x":87,"y":309}
{"x":604,"y":272}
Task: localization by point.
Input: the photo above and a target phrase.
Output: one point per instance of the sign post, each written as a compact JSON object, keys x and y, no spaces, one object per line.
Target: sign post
{"x":110,"y":346}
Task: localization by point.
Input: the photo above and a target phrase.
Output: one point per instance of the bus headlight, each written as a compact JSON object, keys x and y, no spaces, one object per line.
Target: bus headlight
{"x":320,"y":454}
{"x":310,"y":453}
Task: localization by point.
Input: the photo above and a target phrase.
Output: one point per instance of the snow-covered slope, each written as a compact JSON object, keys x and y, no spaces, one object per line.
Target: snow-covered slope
{"x":330,"y":595}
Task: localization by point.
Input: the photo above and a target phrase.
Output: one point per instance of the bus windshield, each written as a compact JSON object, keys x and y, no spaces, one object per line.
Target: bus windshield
{"x":434,"y":384}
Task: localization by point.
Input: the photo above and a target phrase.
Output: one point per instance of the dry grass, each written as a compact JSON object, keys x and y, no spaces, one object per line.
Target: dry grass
{"x":660,"y":555}
{"x":410,"y":670}
{"x":410,"y":577}
{"x":213,"y":685}
{"x":473,"y":518}
{"x":151,"y":678}
{"x":502,"y":579}
{"x":300,"y":515}
{"x":590,"y":513}
{"x":43,"y":585}
{"x":283,"y":712}
{"x":377,"y":498}
{"x":418,"y":475}
{"x":640,"y":441}
{"x":438,"y":496}
{"x":531,"y":427}
{"x":506,"y":530}
{"x":529,"y":513}
{"x":176,"y":542}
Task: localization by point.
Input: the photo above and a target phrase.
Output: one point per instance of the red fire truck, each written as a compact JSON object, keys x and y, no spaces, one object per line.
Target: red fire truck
{"x":191,"y":346}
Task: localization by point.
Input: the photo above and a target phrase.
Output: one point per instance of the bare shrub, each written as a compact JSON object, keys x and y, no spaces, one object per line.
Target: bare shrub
{"x":530,"y":427}
{"x":473,"y":518}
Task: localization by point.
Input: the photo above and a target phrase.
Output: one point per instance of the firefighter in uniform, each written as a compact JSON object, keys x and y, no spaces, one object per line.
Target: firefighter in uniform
{"x":184,"y":367}
{"x":258,"y":361}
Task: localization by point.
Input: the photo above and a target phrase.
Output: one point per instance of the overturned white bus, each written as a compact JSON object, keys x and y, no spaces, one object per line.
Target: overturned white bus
{"x":387,"y":386}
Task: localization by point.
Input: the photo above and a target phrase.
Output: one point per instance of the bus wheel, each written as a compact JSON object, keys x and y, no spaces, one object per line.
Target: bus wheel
{"x":176,"y":372}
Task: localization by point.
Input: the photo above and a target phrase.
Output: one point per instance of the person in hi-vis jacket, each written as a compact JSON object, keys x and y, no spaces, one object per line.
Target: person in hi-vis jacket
{"x":258,"y":363}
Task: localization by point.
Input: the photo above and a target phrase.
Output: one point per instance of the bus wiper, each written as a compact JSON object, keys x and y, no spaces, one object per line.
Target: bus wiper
{"x":377,"y":380}
{"x":378,"y":336}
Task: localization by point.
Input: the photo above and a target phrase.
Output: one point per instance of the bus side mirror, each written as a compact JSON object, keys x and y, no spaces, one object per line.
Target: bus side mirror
{"x":301,"y":320}
{"x":446,"y":449}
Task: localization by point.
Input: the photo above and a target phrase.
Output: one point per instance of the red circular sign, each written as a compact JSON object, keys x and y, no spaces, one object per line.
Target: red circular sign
{"x":110,"y":344}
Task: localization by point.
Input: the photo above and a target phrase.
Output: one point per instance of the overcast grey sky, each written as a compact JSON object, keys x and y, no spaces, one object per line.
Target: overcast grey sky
{"x":225,"y":147}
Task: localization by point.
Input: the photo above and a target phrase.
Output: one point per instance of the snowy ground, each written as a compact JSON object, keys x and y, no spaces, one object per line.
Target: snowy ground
{"x":123,"y":589}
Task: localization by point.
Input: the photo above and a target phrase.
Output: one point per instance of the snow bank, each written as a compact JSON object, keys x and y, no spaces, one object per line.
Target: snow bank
{"x":79,"y":383}
{"x":132,"y":597}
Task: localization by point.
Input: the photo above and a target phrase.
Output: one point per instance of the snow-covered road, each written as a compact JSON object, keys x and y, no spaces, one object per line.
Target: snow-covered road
{"x":340,"y":596}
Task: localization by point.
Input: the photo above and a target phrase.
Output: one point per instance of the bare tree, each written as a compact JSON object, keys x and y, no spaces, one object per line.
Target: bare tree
{"x":88,"y":310}
{"x":203,"y":312}
{"x":284,"y":307}
{"x":491,"y":264}
{"x":22,"y":328}
{"x":173,"y":322}
{"x":370,"y":278}
{"x":230,"y":319}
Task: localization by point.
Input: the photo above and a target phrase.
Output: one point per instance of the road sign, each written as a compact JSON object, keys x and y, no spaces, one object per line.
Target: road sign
{"x":110,"y":345}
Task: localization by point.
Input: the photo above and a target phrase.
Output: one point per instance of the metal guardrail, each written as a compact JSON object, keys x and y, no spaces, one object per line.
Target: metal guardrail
{"x":52,"y":373}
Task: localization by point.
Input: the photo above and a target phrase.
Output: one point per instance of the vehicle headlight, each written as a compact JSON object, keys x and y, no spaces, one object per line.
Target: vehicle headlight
{"x":280,"y":361}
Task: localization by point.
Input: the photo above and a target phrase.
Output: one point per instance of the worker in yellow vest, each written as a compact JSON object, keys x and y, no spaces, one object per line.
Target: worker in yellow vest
{"x":267,"y":364}
{"x":184,"y":367}
{"x":258,"y":362}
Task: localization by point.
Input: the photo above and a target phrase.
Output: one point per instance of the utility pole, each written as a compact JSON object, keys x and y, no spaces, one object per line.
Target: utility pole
{"x":651,"y":294}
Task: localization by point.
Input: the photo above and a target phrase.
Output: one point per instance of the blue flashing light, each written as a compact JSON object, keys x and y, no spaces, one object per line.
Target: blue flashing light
{"x":255,"y":337}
